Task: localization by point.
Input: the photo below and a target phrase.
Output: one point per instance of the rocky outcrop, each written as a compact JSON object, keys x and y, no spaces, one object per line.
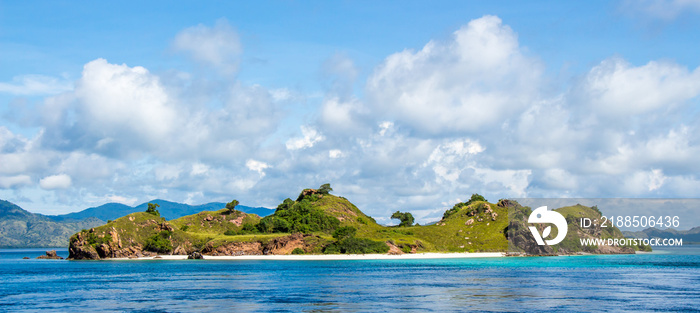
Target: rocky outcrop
{"x":233,"y":249}
{"x":285,"y":245}
{"x":393,"y":249}
{"x":50,"y":255}
{"x":80,"y":249}
{"x":195,"y":256}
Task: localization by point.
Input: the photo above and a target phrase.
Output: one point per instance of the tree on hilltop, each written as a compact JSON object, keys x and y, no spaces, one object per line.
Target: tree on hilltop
{"x":153,"y":209}
{"x":231,"y":206}
{"x":325,"y":189}
{"x":406,"y":218}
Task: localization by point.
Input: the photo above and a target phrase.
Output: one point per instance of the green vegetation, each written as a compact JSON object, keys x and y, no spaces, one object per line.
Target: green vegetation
{"x":405,"y":218}
{"x":95,"y":240}
{"x":325,"y":189}
{"x":159,"y":243}
{"x":475,"y":198}
{"x":298,"y":217}
{"x":298,"y":251}
{"x":231,"y":206}
{"x":347,"y":243}
{"x":354,"y":245}
{"x":152,"y":209}
{"x":344,"y":232}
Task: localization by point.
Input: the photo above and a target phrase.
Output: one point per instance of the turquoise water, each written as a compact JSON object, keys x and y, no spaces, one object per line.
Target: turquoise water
{"x":667,"y":280}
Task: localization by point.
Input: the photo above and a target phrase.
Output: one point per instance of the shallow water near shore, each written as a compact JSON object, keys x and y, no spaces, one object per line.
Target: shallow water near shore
{"x":665,"y":280}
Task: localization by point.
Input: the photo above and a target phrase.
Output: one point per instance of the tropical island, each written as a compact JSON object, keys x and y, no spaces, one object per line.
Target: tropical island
{"x":318,"y":222}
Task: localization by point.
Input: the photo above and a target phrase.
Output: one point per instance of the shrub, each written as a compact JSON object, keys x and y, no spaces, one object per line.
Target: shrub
{"x":361,"y":221}
{"x":357,"y":246}
{"x":297,"y":217}
{"x":248,"y":228}
{"x":230,"y":232}
{"x":185,"y":228}
{"x":344,"y":232}
{"x":95,"y":240}
{"x":298,"y":251}
{"x":159,"y":242}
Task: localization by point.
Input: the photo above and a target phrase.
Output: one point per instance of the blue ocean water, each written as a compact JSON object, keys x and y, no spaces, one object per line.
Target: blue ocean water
{"x":666,"y":280}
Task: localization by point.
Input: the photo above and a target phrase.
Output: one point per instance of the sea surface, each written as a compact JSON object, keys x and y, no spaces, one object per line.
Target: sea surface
{"x":666,"y":280}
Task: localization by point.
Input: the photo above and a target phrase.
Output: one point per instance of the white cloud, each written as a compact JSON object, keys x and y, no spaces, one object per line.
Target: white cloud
{"x":217,"y":46}
{"x":478,"y":78}
{"x":344,"y":116}
{"x":472,"y":114}
{"x":614,"y":87}
{"x":257,"y":166}
{"x":335,"y":153}
{"x":10,"y":182}
{"x":199,"y":169}
{"x":310,"y":137}
{"x":61,"y":181}
{"x":29,"y":85}
{"x":126,"y":105}
{"x":121,"y":199}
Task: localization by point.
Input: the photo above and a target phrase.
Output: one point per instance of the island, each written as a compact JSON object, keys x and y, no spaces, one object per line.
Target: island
{"x":319,"y":223}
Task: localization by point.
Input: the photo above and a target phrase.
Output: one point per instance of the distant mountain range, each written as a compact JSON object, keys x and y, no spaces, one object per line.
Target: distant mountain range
{"x":22,"y":229}
{"x":688,"y":236}
{"x":169,"y":210}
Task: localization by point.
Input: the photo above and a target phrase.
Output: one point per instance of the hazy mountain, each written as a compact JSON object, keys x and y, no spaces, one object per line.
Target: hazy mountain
{"x":169,"y":210}
{"x":22,"y":229}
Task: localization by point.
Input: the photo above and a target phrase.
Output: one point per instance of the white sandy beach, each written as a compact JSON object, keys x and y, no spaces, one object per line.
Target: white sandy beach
{"x":332,"y":257}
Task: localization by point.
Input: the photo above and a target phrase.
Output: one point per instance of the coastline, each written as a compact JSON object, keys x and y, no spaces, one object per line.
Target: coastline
{"x":332,"y":257}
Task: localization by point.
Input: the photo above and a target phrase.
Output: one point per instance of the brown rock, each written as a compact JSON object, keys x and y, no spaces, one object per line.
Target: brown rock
{"x":51,"y":255}
{"x":234,"y":248}
{"x":393,"y":249}
{"x":469,"y":222}
{"x":195,"y":256}
{"x":286,"y":244}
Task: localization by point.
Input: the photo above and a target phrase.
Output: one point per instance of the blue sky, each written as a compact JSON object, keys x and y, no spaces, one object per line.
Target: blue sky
{"x":399,"y":105}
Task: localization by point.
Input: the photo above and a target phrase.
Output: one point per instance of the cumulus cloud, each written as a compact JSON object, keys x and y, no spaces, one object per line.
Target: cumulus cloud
{"x":218,"y":46}
{"x":470,"y":114}
{"x":477,"y":78}
{"x":61,"y":181}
